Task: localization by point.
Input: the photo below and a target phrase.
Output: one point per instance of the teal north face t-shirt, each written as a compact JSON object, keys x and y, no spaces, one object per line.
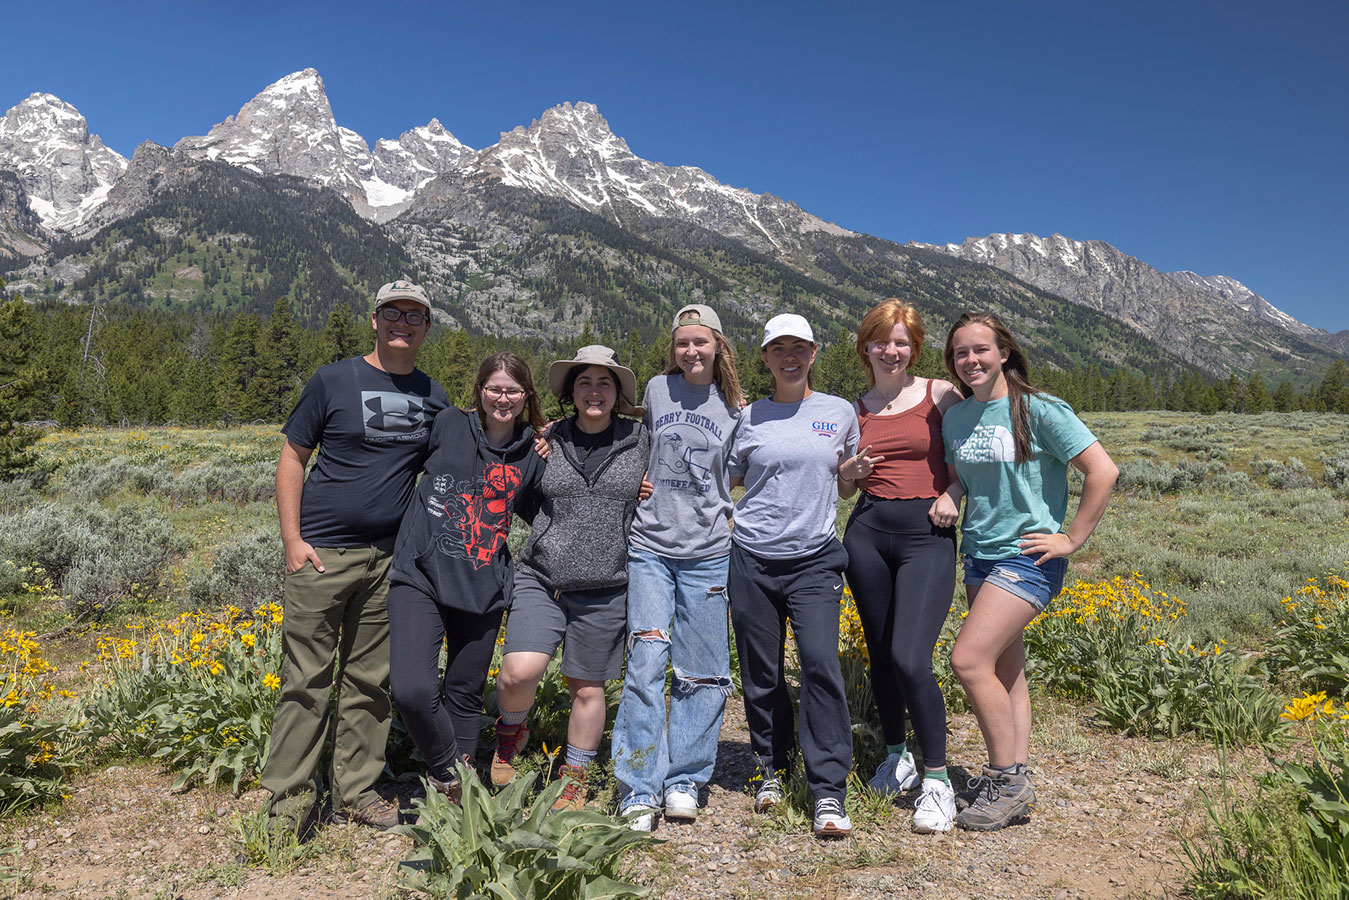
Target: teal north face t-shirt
{"x":1004,"y":500}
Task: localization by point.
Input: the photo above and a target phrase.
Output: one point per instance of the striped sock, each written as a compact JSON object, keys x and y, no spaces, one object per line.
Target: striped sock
{"x":580,"y":758}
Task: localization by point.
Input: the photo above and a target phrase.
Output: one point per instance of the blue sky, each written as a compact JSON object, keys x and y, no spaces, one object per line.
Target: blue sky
{"x":1203,"y":136}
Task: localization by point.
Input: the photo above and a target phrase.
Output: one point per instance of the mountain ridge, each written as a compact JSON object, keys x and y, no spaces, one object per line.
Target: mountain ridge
{"x":570,"y":155}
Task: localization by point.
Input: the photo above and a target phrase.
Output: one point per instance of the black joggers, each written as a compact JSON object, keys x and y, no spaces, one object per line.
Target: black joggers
{"x":442,"y":718}
{"x":763,"y":594}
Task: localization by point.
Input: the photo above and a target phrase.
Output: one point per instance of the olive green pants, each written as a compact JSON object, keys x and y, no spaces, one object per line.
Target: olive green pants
{"x":336,"y":626}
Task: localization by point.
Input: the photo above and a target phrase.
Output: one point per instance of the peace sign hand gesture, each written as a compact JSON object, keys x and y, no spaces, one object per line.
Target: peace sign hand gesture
{"x":858,"y":467}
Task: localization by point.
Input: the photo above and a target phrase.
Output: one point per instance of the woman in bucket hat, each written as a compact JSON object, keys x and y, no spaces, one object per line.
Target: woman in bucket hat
{"x":571,"y":581}
{"x":787,"y":562}
{"x":677,"y":556}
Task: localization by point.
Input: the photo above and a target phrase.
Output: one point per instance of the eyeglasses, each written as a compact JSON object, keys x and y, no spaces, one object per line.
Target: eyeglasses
{"x":496,"y":393}
{"x":411,"y":316}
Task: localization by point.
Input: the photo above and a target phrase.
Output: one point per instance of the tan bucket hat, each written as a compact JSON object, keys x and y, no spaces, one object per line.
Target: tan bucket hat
{"x":598,"y":355}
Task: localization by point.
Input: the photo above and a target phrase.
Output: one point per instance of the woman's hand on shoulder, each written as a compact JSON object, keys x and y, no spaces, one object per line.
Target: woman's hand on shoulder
{"x":944,"y":394}
{"x":541,"y":439}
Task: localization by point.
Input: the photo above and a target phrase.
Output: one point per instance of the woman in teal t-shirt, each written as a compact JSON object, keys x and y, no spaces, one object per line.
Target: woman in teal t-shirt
{"x":1011,"y":446}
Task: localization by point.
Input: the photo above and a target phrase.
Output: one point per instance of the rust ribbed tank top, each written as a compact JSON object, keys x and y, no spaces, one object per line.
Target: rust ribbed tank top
{"x":910,"y":441}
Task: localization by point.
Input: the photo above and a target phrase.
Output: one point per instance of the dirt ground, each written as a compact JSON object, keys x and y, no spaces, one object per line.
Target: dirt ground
{"x":1107,"y":824}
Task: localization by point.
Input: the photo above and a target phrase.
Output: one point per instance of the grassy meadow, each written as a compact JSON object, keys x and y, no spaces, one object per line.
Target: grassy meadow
{"x":140,"y":573}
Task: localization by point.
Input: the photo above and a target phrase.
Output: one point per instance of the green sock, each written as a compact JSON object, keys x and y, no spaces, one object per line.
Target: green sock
{"x":901,"y":748}
{"x":937,"y":775}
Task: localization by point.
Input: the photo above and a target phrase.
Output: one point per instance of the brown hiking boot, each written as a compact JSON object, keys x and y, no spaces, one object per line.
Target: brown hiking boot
{"x":511,"y":740}
{"x":575,"y":794}
{"x":378,"y":813}
{"x":451,"y":790}
{"x":1004,"y":797}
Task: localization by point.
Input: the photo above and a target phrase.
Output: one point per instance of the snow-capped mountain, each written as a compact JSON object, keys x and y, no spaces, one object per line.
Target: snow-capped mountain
{"x":289,"y":129}
{"x":1172,"y":308}
{"x":65,"y":171}
{"x":1243,"y":298}
{"x":570,"y":153}
{"x":404,"y":165}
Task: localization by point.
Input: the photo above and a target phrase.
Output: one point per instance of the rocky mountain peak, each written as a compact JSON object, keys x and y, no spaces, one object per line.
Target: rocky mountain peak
{"x":65,"y":170}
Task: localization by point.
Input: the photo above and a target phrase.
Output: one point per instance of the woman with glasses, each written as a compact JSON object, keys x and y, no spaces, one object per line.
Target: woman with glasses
{"x":452,"y":575}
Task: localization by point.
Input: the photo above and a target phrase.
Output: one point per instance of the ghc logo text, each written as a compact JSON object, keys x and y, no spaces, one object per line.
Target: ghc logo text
{"x":824,"y":429}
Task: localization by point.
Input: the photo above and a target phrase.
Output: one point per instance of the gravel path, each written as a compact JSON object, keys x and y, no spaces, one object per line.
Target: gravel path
{"x":1109,"y":812}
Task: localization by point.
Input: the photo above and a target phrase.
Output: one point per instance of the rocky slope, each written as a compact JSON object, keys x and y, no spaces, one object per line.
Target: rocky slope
{"x":66,"y":171}
{"x":21,"y":231}
{"x":1216,"y":323}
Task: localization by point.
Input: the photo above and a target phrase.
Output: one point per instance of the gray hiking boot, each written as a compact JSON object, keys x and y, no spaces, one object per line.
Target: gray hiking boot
{"x":1003,"y":798}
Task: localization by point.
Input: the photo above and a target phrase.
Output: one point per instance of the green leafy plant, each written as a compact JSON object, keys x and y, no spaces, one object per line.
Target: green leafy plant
{"x":197,"y":693}
{"x":1311,"y":644}
{"x":271,"y":845}
{"x":511,"y":847}
{"x":35,"y":751}
{"x":1168,"y":687}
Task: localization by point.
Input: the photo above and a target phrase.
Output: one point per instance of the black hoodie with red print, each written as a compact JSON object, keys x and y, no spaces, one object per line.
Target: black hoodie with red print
{"x":452,"y":543}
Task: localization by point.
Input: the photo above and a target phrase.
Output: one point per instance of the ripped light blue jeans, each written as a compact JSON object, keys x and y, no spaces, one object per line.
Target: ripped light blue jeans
{"x":676,"y":617}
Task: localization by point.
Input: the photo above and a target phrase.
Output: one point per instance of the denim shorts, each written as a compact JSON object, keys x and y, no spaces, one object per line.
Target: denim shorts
{"x":1019,"y":575}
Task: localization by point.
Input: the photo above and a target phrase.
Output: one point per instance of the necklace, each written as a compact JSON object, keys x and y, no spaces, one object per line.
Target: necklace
{"x":890,"y":404}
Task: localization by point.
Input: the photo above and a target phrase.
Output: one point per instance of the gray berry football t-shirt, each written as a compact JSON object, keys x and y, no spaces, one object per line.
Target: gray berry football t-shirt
{"x":688,"y":517}
{"x":788,"y":454}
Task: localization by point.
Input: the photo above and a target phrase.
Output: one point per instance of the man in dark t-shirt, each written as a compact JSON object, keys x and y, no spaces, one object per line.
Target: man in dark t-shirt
{"x":370,"y":418}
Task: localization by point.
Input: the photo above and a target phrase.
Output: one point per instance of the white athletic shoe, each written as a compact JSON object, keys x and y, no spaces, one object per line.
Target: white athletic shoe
{"x":898,"y":773}
{"x":643,"y":818}
{"x":936,"y":807}
{"x":681,"y":805}
{"x":831,"y":820}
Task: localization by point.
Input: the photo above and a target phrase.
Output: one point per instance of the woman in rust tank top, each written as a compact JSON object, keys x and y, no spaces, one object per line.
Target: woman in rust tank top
{"x":901,"y":549}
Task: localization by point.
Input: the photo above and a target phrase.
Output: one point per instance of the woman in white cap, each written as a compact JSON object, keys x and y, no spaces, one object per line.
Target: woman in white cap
{"x":571,"y":580}
{"x":786,"y":562}
{"x":677,"y":556}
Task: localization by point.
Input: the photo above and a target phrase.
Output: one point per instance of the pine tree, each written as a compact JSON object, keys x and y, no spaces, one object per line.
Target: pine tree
{"x":16,"y":441}
{"x":280,"y":375}
{"x":1285,"y":397}
{"x":238,"y":384}
{"x":1258,"y":399}
{"x":342,"y":337}
{"x":1333,"y":392}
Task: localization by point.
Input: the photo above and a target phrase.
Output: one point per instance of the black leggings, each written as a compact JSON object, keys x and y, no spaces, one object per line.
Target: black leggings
{"x":902,"y":571}
{"x":442,"y":721}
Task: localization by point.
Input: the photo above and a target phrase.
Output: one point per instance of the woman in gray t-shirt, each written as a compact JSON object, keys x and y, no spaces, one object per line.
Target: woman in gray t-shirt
{"x":677,"y":555}
{"x":786,"y":562}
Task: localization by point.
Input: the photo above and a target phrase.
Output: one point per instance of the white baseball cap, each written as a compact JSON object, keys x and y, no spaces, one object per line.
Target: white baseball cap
{"x":787,"y":325}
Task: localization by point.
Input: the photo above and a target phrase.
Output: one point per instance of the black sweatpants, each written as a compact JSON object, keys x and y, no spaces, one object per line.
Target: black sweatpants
{"x":443,"y":718}
{"x":764,"y":593}
{"x":902,"y":571}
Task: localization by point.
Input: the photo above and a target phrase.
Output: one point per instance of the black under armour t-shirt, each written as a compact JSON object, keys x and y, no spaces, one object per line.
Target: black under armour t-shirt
{"x":371,"y":430}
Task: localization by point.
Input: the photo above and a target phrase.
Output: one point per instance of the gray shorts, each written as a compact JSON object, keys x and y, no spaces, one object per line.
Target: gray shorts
{"x":593,"y":624}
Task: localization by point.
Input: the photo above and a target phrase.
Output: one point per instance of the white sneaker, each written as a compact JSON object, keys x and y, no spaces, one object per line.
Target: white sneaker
{"x":681,"y":805}
{"x":936,"y":807}
{"x":898,"y":773}
{"x":831,"y":820}
{"x":768,"y":795}
{"x":642,"y":818}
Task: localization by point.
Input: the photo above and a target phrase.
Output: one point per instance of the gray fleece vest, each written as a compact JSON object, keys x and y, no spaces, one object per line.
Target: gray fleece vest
{"x":579,"y":540}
